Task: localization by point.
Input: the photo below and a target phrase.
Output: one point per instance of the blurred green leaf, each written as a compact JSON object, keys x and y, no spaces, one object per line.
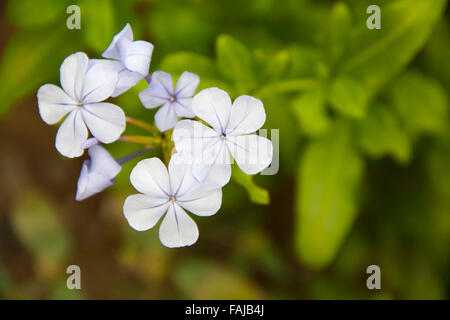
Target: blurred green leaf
{"x":348,"y":97}
{"x":98,"y":23}
{"x":421,"y":102}
{"x":37,"y":224}
{"x":195,"y":277}
{"x":305,"y":61}
{"x":35,"y":13}
{"x":329,"y":176}
{"x":310,"y":109}
{"x":27,"y":61}
{"x":256,"y":193}
{"x":380,"y":134}
{"x":377,"y":55}
{"x":338,"y":30}
{"x":234,"y":60}
{"x":179,"y":62}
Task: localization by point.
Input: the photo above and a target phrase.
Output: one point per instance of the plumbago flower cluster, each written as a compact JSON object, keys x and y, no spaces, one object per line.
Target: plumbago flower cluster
{"x":207,"y":129}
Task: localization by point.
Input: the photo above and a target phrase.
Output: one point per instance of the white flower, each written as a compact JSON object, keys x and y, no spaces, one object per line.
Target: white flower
{"x":176,"y":103}
{"x":130,"y":59}
{"x":169,"y":191}
{"x":84,"y":87}
{"x":233,"y":128}
{"x":98,"y":173}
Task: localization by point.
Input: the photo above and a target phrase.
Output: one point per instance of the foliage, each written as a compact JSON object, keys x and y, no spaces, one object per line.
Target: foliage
{"x":364,"y":140}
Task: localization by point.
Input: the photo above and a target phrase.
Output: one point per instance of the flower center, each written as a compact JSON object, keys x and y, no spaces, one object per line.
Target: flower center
{"x":172,"y":199}
{"x":172,"y":98}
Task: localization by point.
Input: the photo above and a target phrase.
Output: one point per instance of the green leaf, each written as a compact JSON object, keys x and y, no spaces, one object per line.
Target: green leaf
{"x":338,"y":30}
{"x":311,"y":112}
{"x":377,"y":55}
{"x":98,"y":24}
{"x":256,"y":193}
{"x":380,"y":134}
{"x":421,"y":102}
{"x":28,"y":60}
{"x":38,"y":226}
{"x":35,"y":13}
{"x":179,"y":62}
{"x":328,"y":181}
{"x":348,"y":97}
{"x":234,"y":60}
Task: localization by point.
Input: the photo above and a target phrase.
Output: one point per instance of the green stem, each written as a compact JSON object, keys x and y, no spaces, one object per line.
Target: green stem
{"x":141,"y":124}
{"x":149,"y":141}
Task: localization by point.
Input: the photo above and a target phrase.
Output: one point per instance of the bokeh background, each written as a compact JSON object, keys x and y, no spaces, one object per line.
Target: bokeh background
{"x":364,"y":153}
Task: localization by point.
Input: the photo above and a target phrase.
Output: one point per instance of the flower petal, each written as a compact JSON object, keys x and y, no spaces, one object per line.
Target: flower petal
{"x":164,"y":80}
{"x":90,"y":183}
{"x":54,"y":103}
{"x":126,"y":78}
{"x":136,"y":56}
{"x":213,"y":165}
{"x":183,"y":107}
{"x":105,"y":120}
{"x":202,"y":201}
{"x":213,"y":105}
{"x":166,"y":118}
{"x":154,"y":96}
{"x":100,"y":82}
{"x":71,"y":135}
{"x":251,"y":152}
{"x":187,"y":84}
{"x":112,"y":51}
{"x":103,"y":163}
{"x":143,"y":212}
{"x":72,"y":74}
{"x":247,"y":116}
{"x":192,"y":137}
{"x":177,"y":229}
{"x":180,"y":175}
{"x":150,"y":177}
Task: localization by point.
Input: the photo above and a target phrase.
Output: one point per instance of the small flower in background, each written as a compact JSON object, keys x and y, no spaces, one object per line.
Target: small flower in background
{"x":175,"y":103}
{"x":233,"y":127}
{"x":169,"y":192}
{"x":130,"y":59}
{"x":84,"y":87}
{"x":98,"y":173}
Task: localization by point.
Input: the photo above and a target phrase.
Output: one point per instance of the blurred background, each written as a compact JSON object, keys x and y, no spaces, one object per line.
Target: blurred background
{"x":364,"y":153}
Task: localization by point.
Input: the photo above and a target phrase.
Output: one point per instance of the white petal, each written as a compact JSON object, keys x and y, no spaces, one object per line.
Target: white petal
{"x":166,"y":118}
{"x":187,"y":84}
{"x":164,"y":80}
{"x":251,"y":152}
{"x":72,"y":74}
{"x":90,"y":143}
{"x":213,"y":105}
{"x":154,"y":96}
{"x":150,"y":177}
{"x":212,"y":166}
{"x":202,"y":201}
{"x":183,"y":107}
{"x":143,"y":212}
{"x":54,"y":103}
{"x":126,"y":78}
{"x":247,"y":116}
{"x":90,"y":183}
{"x":71,"y":135}
{"x":100,"y":82}
{"x":112,"y":51}
{"x":105,"y":120}
{"x":192,"y":137}
{"x":177,"y":229}
{"x":103,"y":163}
{"x":136,"y":56}
{"x":180,"y":175}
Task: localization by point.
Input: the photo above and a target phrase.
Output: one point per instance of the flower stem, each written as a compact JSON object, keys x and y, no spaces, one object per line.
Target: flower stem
{"x":150,"y":141}
{"x":140,"y":124}
{"x":133,"y":155}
